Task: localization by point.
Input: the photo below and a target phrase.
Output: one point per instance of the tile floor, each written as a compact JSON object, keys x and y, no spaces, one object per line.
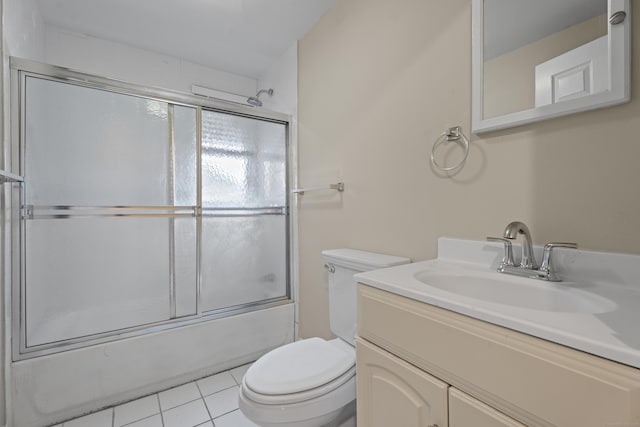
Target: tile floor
{"x":208,"y":402}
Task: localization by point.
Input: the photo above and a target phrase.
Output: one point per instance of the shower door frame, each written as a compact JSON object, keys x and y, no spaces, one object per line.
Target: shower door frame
{"x":14,"y":156}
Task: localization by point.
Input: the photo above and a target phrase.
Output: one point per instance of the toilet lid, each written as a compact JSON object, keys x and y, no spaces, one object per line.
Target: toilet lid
{"x":299,"y":366}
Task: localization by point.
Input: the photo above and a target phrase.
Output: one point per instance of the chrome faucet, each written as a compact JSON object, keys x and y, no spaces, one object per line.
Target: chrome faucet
{"x":511,"y":232}
{"x":528,"y":266}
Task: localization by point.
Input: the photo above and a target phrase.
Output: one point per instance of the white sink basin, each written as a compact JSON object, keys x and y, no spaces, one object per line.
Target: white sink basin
{"x":596,"y":309}
{"x":517,"y":292}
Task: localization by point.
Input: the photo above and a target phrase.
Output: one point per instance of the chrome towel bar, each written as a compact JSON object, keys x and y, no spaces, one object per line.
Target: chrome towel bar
{"x":338,"y":187}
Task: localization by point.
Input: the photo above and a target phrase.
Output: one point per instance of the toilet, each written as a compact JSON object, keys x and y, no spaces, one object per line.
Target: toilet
{"x":312,"y":382}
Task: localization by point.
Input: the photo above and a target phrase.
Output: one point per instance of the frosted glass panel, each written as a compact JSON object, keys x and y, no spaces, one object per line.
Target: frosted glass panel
{"x":184,"y":119}
{"x":243,"y":260}
{"x":185,"y":266}
{"x":243,"y":161}
{"x":92,"y":147}
{"x":86,"y":276}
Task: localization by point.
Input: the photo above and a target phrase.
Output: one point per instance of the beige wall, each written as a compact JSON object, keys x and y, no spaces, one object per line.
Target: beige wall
{"x":509,"y":79}
{"x":379,"y":80}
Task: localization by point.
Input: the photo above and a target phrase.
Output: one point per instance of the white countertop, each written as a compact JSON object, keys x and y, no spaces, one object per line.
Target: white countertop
{"x":613,"y":333}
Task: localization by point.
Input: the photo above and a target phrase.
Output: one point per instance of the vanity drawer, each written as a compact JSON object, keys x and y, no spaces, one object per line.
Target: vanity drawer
{"x":465,"y":411}
{"x":534,"y":381}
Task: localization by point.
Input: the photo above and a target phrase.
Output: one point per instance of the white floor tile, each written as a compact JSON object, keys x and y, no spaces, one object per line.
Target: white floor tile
{"x":154,"y":421}
{"x":222,"y":402}
{"x":99,"y":419}
{"x":234,"y":419}
{"x":188,"y":415}
{"x":239,"y":372}
{"x":136,"y":410}
{"x":179,"y":395}
{"x":216,"y":383}
{"x":182,"y":406}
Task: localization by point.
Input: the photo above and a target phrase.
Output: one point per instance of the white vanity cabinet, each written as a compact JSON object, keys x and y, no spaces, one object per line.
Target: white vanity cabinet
{"x":392,"y":392}
{"x":420,"y":365}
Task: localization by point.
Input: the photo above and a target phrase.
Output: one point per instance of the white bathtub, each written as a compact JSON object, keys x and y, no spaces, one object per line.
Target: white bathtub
{"x":48,"y":389}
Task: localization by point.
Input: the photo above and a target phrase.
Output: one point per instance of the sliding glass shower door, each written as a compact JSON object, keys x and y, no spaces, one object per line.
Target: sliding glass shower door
{"x":139,"y":212}
{"x":244,"y":209}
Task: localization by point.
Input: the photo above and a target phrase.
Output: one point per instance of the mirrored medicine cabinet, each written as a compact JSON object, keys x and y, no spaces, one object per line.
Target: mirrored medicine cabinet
{"x":534,"y":60}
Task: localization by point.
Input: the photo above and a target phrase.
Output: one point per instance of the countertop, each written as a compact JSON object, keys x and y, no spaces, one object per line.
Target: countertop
{"x":613,"y":333}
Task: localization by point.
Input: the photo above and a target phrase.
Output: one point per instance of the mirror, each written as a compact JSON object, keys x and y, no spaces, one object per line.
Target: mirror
{"x":534,"y":60}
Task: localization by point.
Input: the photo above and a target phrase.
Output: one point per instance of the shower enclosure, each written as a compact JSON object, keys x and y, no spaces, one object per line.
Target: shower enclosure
{"x":141,"y":211}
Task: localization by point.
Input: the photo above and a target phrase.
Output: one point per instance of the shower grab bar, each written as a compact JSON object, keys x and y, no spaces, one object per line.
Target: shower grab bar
{"x":338,"y":187}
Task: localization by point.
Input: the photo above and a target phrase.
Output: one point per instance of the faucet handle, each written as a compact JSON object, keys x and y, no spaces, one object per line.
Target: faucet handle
{"x":561,"y":245}
{"x":546,"y":257}
{"x":507,"y":259}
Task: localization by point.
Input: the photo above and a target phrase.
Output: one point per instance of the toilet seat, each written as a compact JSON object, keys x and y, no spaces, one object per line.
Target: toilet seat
{"x":308,"y":413}
{"x":284,"y":399}
{"x":300,"y":371}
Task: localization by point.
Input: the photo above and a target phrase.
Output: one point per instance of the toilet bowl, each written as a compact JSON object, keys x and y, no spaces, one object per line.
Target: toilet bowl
{"x":307,"y":383}
{"x":312,"y":382}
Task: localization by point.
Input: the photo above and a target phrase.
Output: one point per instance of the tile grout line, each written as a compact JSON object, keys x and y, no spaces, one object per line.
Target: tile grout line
{"x":138,"y":420}
{"x":160,"y":408}
{"x":204,"y":401}
{"x":182,"y":404}
{"x":219,"y":391}
{"x":227,"y":413}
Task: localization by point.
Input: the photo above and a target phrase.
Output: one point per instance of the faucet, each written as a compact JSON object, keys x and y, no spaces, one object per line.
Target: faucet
{"x":528,"y":257}
{"x":528,"y":266}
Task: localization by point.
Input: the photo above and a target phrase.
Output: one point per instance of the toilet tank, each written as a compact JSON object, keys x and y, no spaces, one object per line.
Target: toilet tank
{"x":341,"y":265}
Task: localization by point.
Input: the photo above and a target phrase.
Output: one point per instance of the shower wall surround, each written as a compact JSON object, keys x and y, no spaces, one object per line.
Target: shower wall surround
{"x":142,"y":212}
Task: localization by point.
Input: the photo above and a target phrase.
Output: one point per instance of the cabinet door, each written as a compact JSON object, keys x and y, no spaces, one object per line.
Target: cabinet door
{"x":391,"y":392}
{"x":465,"y":411}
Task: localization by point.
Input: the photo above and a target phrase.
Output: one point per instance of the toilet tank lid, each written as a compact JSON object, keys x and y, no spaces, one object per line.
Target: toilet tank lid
{"x":362,"y":260}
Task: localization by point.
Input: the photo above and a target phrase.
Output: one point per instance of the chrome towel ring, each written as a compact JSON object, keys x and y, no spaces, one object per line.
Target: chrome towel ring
{"x":451,"y":134}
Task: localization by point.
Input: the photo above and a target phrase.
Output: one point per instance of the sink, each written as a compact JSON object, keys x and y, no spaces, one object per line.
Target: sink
{"x":517,"y":292}
{"x":595,"y":309}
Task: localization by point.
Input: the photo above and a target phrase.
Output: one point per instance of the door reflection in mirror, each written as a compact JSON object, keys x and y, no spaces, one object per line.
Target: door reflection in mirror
{"x":542,"y":52}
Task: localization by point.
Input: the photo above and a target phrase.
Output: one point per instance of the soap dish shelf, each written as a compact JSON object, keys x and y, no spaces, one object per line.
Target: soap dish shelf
{"x":6,"y":177}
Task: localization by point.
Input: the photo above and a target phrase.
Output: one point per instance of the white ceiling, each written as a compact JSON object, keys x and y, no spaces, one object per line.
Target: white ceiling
{"x":509,"y":24}
{"x":239,"y":36}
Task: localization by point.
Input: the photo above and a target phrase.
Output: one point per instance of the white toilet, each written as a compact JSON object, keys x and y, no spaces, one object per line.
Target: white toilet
{"x":312,"y":382}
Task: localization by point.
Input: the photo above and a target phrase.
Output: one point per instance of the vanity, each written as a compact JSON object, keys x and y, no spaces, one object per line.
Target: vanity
{"x":452,"y":342}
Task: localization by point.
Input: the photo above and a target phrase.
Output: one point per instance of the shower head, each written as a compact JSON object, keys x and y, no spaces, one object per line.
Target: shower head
{"x":255,"y":100}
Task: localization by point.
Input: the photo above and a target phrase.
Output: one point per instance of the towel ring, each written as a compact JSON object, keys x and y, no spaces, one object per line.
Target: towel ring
{"x":451,"y":134}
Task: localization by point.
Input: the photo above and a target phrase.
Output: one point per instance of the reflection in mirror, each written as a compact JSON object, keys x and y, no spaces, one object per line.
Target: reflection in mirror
{"x":534,"y":60}
{"x":542,"y":52}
